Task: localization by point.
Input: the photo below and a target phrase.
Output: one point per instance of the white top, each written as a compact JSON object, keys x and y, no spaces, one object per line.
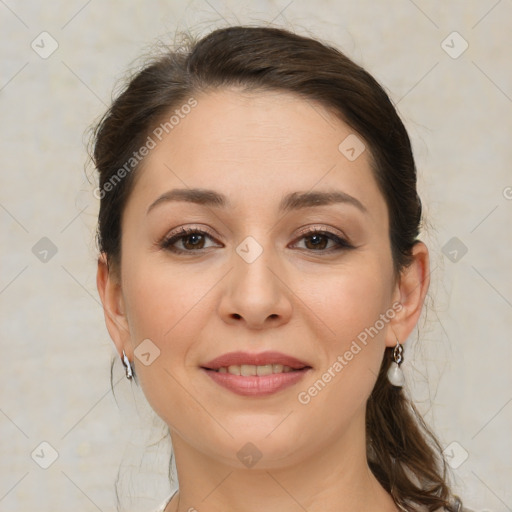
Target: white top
{"x":165,"y":503}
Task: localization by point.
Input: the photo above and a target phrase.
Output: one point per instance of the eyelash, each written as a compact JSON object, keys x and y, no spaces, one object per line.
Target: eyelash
{"x":168,"y":242}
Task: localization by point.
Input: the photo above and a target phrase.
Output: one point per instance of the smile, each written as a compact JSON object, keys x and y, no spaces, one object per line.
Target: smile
{"x":247,"y":370}
{"x":256,"y":385}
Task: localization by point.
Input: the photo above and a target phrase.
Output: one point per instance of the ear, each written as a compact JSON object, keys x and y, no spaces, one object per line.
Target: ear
{"x":109,"y":289}
{"x":411,"y":289}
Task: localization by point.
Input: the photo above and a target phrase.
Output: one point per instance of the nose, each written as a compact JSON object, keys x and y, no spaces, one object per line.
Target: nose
{"x":255,"y":292}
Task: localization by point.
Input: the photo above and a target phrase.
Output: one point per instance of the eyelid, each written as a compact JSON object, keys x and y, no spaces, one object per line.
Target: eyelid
{"x":322,"y":228}
{"x":184,"y":230}
{"x":334,"y":234}
{"x":342,"y":241}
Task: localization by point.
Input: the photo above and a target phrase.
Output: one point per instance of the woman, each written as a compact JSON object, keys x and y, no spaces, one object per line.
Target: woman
{"x":260,"y":272}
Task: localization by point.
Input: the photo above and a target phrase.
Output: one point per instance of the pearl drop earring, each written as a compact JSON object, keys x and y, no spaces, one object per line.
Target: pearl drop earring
{"x":395,"y":373}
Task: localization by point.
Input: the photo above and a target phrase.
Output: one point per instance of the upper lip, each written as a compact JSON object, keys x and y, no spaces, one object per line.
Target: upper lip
{"x":260,"y":359}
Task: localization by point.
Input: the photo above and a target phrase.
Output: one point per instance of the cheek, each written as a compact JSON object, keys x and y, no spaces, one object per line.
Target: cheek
{"x":168,"y":308}
{"x":172,"y":308}
{"x":351,"y":301}
{"x":352,"y":306}
{"x":159,"y":298}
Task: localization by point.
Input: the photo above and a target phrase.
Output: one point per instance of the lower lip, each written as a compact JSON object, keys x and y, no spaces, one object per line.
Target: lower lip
{"x":256,"y":385}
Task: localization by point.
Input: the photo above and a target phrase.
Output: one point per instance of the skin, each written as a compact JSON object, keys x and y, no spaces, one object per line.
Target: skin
{"x":296,"y":298}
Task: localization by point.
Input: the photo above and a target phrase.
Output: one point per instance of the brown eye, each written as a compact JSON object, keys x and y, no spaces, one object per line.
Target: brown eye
{"x":319,"y":240}
{"x":193,"y":241}
{"x":316,"y":242}
{"x":186,"y":241}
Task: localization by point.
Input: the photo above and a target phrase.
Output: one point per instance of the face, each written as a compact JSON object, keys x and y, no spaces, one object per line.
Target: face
{"x":262,"y":268}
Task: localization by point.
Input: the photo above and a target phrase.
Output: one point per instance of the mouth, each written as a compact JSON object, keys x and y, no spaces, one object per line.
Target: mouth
{"x":246,"y":363}
{"x":255,"y":374}
{"x":250,"y":370}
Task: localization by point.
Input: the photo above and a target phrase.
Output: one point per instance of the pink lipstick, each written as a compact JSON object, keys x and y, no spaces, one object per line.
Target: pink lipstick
{"x":255,"y":374}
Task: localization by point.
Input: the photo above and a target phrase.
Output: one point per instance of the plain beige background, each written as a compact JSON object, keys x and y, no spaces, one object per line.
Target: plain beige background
{"x":446,"y":65}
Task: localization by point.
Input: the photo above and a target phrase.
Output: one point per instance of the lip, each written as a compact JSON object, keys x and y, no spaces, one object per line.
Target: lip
{"x":261,"y":359}
{"x":256,"y":385}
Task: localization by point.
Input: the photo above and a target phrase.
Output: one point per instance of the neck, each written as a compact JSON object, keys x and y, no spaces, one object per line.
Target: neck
{"x":334,"y":479}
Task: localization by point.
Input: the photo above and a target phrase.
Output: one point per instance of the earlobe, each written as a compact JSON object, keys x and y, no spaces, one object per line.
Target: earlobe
{"x":412,"y":287}
{"x":111,"y":296}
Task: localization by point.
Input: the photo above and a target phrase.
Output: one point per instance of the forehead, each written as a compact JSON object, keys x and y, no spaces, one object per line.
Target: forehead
{"x":256,"y":145}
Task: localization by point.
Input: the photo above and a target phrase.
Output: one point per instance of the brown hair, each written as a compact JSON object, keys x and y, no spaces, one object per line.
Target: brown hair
{"x":402,"y":452}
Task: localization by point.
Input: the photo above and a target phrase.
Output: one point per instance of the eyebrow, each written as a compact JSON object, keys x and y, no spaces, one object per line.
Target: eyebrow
{"x":292,"y":201}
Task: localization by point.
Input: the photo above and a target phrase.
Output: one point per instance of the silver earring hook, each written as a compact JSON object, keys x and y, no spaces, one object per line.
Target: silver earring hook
{"x":397,"y":352}
{"x":127,"y":365}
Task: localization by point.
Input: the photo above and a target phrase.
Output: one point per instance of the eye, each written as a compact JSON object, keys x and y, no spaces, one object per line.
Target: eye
{"x":318,"y":240}
{"x":190,"y":240}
